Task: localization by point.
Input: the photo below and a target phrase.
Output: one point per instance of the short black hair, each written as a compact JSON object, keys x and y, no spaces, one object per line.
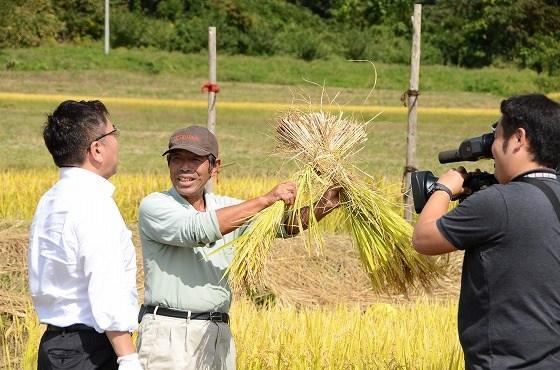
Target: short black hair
{"x":71,"y":128}
{"x":540,"y":118}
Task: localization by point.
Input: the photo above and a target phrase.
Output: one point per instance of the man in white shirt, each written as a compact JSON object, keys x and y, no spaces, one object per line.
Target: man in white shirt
{"x":82,"y":263}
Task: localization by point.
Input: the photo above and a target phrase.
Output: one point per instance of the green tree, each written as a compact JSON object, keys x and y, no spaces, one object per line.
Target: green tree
{"x":81,"y":18}
{"x":477,"y":33}
{"x":27,"y":23}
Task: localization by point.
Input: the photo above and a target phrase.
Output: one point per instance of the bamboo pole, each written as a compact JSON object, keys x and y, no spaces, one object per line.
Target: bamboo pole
{"x":412,"y":103}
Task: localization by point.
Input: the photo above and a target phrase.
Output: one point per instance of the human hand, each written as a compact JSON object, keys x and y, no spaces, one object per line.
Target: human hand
{"x":331,"y":197}
{"x":285,"y":191}
{"x":129,"y":362}
{"x":454,"y":179}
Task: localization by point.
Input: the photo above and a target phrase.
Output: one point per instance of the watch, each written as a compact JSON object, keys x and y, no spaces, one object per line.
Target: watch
{"x":437,"y":186}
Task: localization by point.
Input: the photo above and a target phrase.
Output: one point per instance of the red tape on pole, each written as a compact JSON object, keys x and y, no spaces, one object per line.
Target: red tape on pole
{"x":210,"y":87}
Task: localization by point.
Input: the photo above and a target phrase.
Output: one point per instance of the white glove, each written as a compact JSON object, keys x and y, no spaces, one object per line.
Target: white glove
{"x":129,"y":362}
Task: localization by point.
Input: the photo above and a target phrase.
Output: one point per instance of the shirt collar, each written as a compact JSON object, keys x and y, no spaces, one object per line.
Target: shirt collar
{"x":87,"y":178}
{"x":538,"y":173}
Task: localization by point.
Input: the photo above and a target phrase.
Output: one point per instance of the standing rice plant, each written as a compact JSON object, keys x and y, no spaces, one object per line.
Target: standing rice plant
{"x":417,"y":336}
{"x":20,"y":335}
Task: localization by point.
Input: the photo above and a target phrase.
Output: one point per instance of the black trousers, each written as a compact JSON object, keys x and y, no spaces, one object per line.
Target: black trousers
{"x":82,"y":349}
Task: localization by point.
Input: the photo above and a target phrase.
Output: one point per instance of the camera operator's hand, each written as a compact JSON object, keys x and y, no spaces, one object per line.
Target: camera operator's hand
{"x":427,"y":239}
{"x":454,"y":180}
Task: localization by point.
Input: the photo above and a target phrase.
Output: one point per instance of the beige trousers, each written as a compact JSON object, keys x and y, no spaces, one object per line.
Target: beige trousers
{"x":167,"y":343}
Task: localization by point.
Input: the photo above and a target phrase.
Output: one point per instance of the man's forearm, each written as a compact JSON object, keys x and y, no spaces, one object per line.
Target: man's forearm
{"x":232,"y":217}
{"x":121,"y":341}
{"x":436,"y":206}
{"x":426,"y":238}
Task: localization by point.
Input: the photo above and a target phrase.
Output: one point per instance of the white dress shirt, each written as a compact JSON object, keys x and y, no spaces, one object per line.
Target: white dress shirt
{"x":82,"y":263}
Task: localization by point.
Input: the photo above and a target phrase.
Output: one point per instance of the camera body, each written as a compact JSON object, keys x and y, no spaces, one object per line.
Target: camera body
{"x":472,"y":149}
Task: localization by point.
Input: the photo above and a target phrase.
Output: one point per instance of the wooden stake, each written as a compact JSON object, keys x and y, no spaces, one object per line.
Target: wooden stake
{"x":412,"y":102}
{"x":211,"y":124}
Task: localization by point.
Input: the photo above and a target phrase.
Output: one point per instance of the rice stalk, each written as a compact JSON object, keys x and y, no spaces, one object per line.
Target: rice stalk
{"x":310,"y":189}
{"x":323,"y":145}
{"x":383,"y":240}
{"x":319,"y":139}
{"x":253,"y":247}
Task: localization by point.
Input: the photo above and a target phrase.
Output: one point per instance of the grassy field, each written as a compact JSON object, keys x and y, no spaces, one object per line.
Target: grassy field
{"x":264,"y":70}
{"x":244,"y":133}
{"x":245,"y":136}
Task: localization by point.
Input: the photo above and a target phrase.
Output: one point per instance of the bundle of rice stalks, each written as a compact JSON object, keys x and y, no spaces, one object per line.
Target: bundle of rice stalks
{"x":383,"y":240}
{"x":325,"y":143}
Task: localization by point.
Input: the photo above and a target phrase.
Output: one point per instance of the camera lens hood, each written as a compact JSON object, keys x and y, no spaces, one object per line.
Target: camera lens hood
{"x":421,"y":182}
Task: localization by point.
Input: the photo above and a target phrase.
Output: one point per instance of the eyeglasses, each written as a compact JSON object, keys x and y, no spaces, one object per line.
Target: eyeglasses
{"x":112,"y":132}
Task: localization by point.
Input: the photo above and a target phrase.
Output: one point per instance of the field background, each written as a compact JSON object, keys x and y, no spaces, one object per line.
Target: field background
{"x":318,"y":311}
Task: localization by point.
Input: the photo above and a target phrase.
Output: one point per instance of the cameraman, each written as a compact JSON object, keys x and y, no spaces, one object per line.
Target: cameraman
{"x":509,"y":306}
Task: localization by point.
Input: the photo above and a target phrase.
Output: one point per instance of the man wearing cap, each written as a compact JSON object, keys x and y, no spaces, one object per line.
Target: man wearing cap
{"x":184,"y":320}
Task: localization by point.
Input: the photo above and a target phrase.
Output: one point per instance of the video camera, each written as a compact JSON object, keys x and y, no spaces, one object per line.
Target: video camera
{"x":472,"y":149}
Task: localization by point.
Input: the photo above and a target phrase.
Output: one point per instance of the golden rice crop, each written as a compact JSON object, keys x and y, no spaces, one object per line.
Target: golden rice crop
{"x":22,"y":189}
{"x":19,"y":340}
{"x":419,"y":336}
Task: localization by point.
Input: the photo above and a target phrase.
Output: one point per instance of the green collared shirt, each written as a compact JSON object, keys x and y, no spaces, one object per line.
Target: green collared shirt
{"x":176,"y":242}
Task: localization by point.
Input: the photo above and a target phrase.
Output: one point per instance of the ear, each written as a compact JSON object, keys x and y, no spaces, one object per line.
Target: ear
{"x":216,"y":168}
{"x":520,"y":136}
{"x":96,"y":152}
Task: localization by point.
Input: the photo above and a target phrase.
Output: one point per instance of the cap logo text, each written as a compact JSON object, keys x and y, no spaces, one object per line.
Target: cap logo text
{"x":185,"y":137}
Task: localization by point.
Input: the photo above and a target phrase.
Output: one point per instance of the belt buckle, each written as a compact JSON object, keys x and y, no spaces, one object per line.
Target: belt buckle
{"x":216,"y":316}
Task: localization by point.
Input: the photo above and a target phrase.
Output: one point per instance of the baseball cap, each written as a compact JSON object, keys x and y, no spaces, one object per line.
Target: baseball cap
{"x":196,"y":139}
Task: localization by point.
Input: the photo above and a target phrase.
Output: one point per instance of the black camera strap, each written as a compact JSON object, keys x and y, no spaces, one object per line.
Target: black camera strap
{"x":546,"y":190}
